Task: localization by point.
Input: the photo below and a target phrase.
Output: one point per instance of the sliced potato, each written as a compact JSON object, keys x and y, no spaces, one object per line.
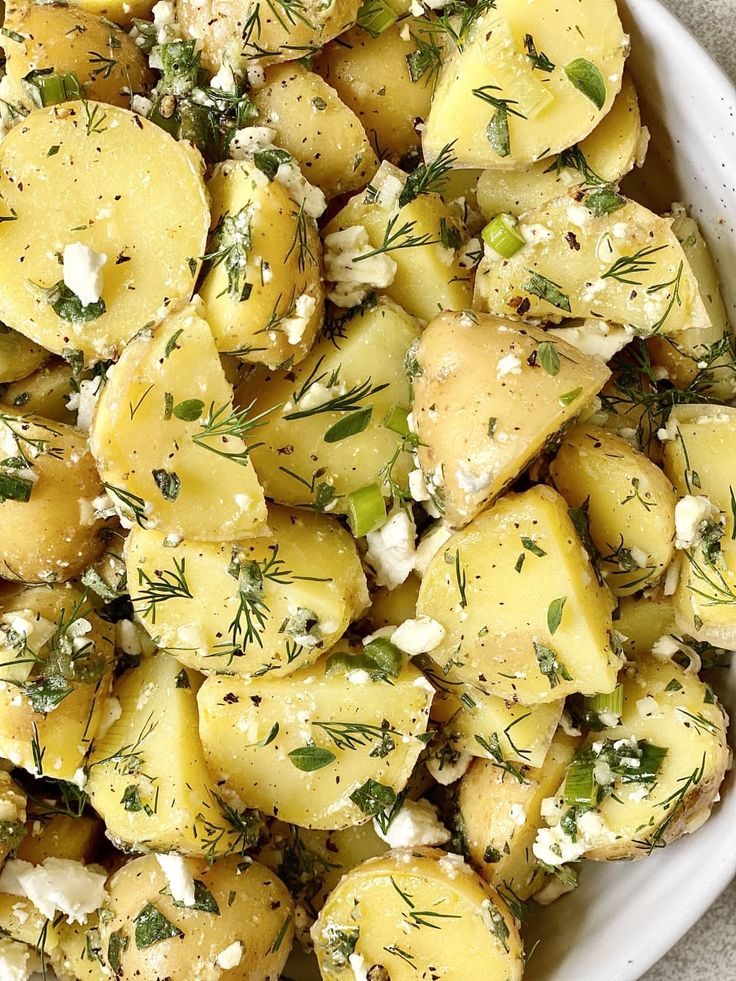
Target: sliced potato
{"x":314,"y":747}
{"x":307,"y":585}
{"x":320,"y":131}
{"x":472,"y":374}
{"x":108,"y":64}
{"x":625,"y":266}
{"x":524,"y":618}
{"x":168,"y":443}
{"x":18,"y":355}
{"x":262,"y":293}
{"x":49,"y":530}
{"x":118,"y":181}
{"x":417,"y":912}
{"x":629,"y":502}
{"x":602,"y":158}
{"x":294,"y":461}
{"x":429,"y":277}
{"x":501,"y":813}
{"x":509,"y":102}
{"x":44,"y":393}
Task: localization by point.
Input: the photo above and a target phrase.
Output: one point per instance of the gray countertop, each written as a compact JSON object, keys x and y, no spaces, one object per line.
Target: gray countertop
{"x":708,"y":951}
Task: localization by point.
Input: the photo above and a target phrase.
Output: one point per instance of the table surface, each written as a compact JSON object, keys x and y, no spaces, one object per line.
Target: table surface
{"x":708,"y":951}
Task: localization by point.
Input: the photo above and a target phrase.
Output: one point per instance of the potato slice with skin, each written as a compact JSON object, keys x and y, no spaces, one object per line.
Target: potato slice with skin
{"x":417,"y":912}
{"x":626,"y":267}
{"x":119,"y":181}
{"x":608,"y":153}
{"x":667,"y":707}
{"x":270,"y":309}
{"x":54,"y":534}
{"x":234,"y":31}
{"x":280,"y":743}
{"x":541,"y":111}
{"x":18,"y":355}
{"x":168,"y":443}
{"x":323,"y":134}
{"x":108,"y":64}
{"x":501,"y":815}
{"x":630,"y":505}
{"x":428,"y":276}
{"x":243,"y":905}
{"x":371,"y":75}
{"x":149,"y":798}
{"x":48,"y":719}
{"x":473,"y":441}
{"x":312,"y":581}
{"x":530,"y":630}
{"x":294,"y":462}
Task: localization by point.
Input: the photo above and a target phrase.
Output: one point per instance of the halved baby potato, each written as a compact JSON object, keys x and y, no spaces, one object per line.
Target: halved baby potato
{"x":273,"y":603}
{"x":472,"y":374}
{"x":604,"y":256}
{"x":525,"y":81}
{"x":523,"y":615}
{"x":96,"y":175}
{"x":168,"y":442}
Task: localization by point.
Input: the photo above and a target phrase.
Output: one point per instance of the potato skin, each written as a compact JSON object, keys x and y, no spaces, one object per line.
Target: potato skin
{"x":54,"y":536}
{"x":254,"y":908}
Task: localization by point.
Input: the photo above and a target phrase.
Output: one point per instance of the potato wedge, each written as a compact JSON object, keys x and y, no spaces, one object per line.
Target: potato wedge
{"x":604,"y":157}
{"x":320,"y":748}
{"x":261,"y":292}
{"x":629,"y":502}
{"x":118,"y":180}
{"x":168,"y":443}
{"x":294,"y":461}
{"x":472,"y":374}
{"x":268,"y":604}
{"x":418,"y":911}
{"x":507,"y":101}
{"x":49,"y":529}
{"x":524,"y":618}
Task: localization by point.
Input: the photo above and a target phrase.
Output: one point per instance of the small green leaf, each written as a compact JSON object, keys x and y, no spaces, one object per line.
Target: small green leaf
{"x":548,"y":358}
{"x":603,"y":201}
{"x":587,"y":78}
{"x":168,"y":482}
{"x":545,"y":289}
{"x":189,"y":410}
{"x":497,"y":132}
{"x":373,"y":797}
{"x":349,"y":425}
{"x":309,"y":758}
{"x":152,"y":927}
{"x":554,"y":613}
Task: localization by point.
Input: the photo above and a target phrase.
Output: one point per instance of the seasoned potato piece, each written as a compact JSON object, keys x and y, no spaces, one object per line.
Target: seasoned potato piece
{"x":18,"y":356}
{"x":318,"y":129}
{"x":642,"y":620}
{"x":108,"y":64}
{"x":12,"y":815}
{"x":655,"y":776}
{"x":293,"y":459}
{"x":326,"y":747}
{"x":118,"y":181}
{"x":149,"y":796}
{"x":44,"y":393}
{"x":629,"y":502}
{"x":56,"y":655}
{"x":169,"y":444}
{"x":372,"y":76}
{"x":501,"y":814}
{"x":509,"y":102}
{"x":428,"y":275}
{"x":413,"y":913}
{"x":48,"y":528}
{"x":305,"y":580}
{"x":708,"y":353}
{"x":623,"y":264}
{"x":234,"y":30}
{"x":524,"y":618}
{"x":699,"y":447}
{"x":262,"y":293}
{"x":239,"y":926}
{"x":472,"y":374}
{"x":61,"y":836}
{"x":606,"y":155}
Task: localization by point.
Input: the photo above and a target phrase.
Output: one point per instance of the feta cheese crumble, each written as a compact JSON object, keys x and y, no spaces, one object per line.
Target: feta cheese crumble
{"x":83,"y":272}
{"x":415,"y":824}
{"x":352,"y":280}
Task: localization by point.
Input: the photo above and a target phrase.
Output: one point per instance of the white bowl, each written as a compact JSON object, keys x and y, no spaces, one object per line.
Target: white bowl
{"x":625,"y":916}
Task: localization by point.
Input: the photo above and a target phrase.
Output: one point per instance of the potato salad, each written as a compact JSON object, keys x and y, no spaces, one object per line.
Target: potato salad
{"x":367,"y":518}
